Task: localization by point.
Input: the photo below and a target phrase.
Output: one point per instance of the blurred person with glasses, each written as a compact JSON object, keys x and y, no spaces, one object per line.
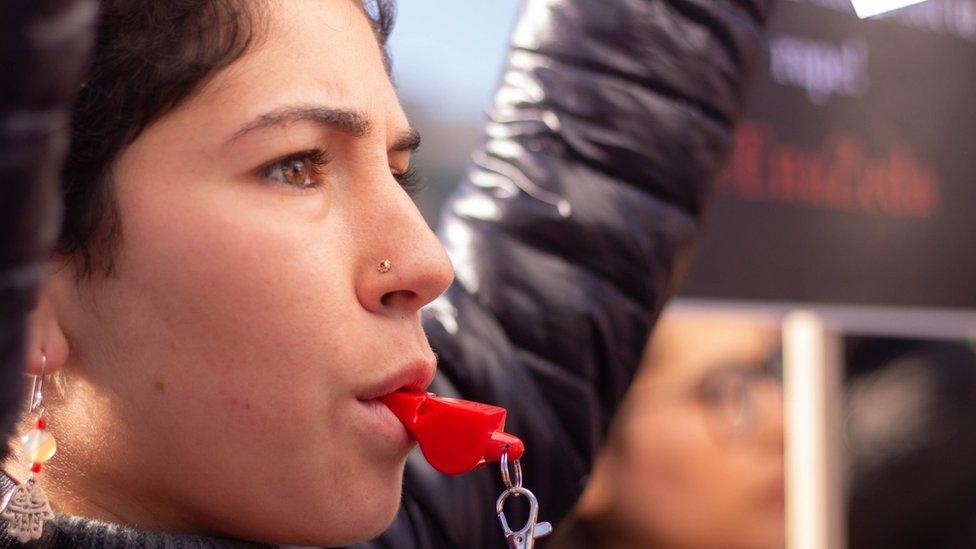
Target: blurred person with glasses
{"x":695,"y":456}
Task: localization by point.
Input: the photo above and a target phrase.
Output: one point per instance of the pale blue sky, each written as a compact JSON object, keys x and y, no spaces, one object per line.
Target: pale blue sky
{"x":447,"y":54}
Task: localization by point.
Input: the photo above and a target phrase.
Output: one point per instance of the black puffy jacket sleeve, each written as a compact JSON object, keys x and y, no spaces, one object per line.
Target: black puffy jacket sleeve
{"x":43,"y":50}
{"x":610,"y":124}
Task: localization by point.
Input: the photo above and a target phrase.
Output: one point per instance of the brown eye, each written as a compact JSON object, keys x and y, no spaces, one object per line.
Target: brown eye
{"x":301,"y":171}
{"x":295,"y":172}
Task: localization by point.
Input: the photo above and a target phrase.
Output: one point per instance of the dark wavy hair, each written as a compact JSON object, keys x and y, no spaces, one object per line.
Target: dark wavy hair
{"x":150,"y":56}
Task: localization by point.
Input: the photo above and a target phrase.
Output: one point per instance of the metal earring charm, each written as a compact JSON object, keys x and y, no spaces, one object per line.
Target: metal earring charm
{"x":25,"y":508}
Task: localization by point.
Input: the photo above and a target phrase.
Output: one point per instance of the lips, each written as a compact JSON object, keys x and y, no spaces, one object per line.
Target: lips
{"x":413,"y":375}
{"x":774,"y":494}
{"x":383,"y":424}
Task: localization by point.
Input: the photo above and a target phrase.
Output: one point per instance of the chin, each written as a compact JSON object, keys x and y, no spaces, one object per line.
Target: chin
{"x":346,"y":520}
{"x":382,"y":521}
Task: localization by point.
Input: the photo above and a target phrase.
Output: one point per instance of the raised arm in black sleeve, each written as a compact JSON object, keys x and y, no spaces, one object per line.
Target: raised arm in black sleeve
{"x":43,"y":48}
{"x":611,"y":122}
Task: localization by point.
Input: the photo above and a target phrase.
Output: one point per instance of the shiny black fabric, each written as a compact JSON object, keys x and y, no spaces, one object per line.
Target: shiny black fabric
{"x":43,"y":45}
{"x":611,"y":122}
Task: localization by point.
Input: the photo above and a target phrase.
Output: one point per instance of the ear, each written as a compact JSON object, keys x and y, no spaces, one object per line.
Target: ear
{"x":45,"y":336}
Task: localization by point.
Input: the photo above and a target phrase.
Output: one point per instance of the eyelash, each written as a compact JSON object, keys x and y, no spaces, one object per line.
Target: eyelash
{"x":410,"y":180}
{"x":317,"y":159}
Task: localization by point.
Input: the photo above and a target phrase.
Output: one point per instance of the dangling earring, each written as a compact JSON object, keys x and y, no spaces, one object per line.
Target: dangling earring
{"x":25,"y":508}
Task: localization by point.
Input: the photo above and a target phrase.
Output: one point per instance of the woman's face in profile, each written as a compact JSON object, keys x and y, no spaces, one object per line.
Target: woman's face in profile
{"x":220,"y":380}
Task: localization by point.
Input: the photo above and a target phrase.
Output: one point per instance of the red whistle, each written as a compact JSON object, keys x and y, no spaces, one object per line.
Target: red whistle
{"x":455,"y":435}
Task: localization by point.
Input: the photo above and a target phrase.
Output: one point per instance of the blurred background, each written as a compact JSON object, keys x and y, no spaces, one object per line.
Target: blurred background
{"x":447,"y":57}
{"x":850,"y":194}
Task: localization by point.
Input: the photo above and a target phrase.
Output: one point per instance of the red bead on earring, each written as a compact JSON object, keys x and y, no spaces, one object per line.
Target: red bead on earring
{"x":25,"y":508}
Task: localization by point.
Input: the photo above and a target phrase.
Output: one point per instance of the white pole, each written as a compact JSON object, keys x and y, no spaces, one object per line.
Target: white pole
{"x":812,"y":383}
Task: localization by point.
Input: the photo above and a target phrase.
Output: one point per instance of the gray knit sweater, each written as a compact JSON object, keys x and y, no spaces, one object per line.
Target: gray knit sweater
{"x":71,"y":532}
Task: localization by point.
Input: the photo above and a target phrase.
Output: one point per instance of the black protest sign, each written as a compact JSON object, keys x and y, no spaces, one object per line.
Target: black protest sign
{"x":853,"y":179}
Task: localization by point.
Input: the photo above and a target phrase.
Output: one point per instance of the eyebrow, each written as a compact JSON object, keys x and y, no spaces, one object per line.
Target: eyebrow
{"x":350,"y":122}
{"x":409,"y":141}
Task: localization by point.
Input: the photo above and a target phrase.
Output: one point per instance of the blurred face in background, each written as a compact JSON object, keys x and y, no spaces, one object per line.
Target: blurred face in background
{"x":696,"y":456}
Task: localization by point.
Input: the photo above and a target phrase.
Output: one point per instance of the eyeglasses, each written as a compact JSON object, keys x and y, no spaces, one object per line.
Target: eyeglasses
{"x":730,"y":395}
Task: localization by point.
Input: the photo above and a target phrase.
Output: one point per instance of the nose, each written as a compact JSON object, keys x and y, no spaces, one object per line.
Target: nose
{"x":402,"y":265}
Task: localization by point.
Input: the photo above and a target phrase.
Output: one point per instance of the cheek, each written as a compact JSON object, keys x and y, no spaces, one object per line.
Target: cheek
{"x":685,"y":477}
{"x":242,"y":322}
{"x":669,"y":444}
{"x":680,"y":469}
{"x":241,"y":303}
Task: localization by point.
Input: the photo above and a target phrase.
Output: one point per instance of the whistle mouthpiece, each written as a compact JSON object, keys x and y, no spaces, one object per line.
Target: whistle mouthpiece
{"x":455,"y":436}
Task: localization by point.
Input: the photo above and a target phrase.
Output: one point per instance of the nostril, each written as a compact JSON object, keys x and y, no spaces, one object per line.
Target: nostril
{"x":398,"y":298}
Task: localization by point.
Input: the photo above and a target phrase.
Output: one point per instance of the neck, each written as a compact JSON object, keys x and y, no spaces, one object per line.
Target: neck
{"x":74,"y":531}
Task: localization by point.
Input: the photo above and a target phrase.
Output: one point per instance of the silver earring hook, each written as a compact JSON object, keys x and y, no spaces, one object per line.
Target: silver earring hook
{"x":37,"y":388}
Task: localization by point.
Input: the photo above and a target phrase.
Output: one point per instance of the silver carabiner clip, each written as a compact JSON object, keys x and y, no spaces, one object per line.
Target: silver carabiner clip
{"x":533,"y":529}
